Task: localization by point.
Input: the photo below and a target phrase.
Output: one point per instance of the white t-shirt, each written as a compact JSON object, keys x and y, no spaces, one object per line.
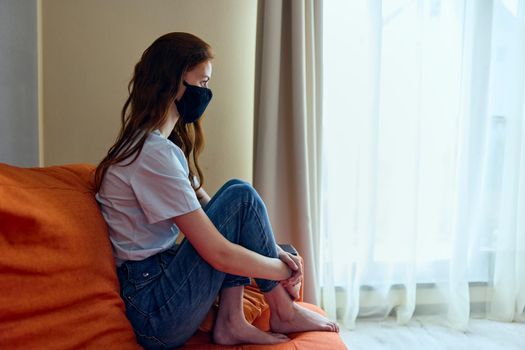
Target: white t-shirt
{"x":138,"y":201}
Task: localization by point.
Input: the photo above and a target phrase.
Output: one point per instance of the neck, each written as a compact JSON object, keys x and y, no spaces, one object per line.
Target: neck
{"x":171,"y":120}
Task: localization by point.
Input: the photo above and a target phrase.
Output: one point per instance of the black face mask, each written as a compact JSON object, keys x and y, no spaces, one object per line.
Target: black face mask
{"x":193,"y":102}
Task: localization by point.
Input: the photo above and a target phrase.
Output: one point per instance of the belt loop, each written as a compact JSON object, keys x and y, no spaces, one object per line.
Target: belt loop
{"x":161,"y":260}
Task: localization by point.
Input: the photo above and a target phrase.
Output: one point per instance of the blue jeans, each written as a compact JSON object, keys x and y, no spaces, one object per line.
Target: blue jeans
{"x":169,"y":294}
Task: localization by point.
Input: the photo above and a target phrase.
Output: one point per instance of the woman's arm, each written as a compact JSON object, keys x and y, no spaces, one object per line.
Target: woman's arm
{"x":224,"y":255}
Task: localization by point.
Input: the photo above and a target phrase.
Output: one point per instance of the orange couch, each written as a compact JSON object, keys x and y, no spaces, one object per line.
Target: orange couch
{"x":58,"y":282}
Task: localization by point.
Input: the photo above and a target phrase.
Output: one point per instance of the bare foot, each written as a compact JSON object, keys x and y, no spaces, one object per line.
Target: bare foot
{"x":238,"y":332}
{"x":300,"y":319}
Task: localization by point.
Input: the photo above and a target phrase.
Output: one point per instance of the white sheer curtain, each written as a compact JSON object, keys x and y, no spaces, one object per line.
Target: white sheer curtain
{"x":423,"y":184}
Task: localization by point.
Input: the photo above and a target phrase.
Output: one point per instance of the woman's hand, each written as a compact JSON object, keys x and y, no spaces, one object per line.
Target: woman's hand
{"x":295,"y":263}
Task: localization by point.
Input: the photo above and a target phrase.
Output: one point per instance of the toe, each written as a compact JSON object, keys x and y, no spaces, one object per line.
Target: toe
{"x":279,"y":336}
{"x":327,"y":327}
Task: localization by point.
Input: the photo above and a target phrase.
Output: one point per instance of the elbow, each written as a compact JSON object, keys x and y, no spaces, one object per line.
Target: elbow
{"x":218,"y":264}
{"x":220,"y":259}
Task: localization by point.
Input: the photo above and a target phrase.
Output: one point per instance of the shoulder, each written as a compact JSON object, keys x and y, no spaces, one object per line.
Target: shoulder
{"x":160,"y":154}
{"x":158,"y":146}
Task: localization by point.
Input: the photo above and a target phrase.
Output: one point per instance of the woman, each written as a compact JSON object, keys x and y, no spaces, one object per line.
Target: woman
{"x":150,"y":186}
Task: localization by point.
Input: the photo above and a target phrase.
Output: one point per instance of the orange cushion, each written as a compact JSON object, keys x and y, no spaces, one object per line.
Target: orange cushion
{"x":58,"y":280}
{"x":59,"y":285}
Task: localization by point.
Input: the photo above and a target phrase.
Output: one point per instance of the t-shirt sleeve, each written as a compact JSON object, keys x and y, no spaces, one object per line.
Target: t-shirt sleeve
{"x":162,"y":187}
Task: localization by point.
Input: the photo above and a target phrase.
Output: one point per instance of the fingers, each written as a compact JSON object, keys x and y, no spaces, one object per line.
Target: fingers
{"x":295,"y":263}
{"x":293,"y":280}
{"x":291,"y":283}
{"x":290,"y":262}
{"x":298,"y":261}
{"x":296,"y":277}
{"x":288,"y":283}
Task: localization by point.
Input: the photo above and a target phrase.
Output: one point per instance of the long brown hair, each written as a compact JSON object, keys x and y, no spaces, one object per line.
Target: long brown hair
{"x":152,"y":90}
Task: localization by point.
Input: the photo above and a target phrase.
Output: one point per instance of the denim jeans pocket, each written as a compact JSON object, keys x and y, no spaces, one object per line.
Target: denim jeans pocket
{"x":144,"y":272}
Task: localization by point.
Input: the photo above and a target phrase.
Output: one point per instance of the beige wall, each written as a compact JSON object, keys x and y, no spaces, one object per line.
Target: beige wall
{"x":89,"y":49}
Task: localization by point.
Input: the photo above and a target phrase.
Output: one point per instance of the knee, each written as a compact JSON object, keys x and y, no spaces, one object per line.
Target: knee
{"x":244,"y":192}
{"x":232,"y":182}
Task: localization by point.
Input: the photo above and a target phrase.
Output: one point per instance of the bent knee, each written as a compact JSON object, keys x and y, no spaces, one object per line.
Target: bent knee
{"x":244,"y":192}
{"x":235,"y":181}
